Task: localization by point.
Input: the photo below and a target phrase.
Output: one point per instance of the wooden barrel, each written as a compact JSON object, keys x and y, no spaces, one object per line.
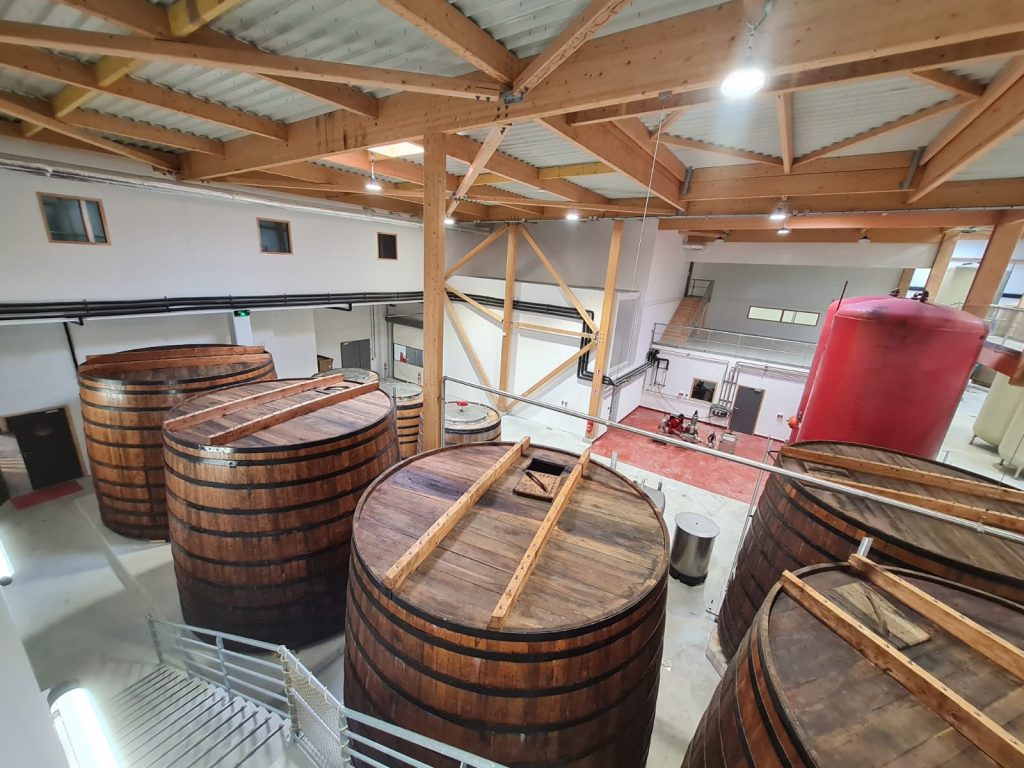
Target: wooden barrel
{"x":466,"y":422}
{"x":408,"y":399}
{"x":797,"y":694}
{"x":262,"y":482}
{"x":798,"y":525}
{"x":124,"y":398}
{"x":356,"y":375}
{"x":569,"y":677}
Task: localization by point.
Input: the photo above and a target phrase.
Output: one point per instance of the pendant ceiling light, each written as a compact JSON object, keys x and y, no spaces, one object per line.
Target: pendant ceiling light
{"x":748,"y":78}
{"x":373,"y":185}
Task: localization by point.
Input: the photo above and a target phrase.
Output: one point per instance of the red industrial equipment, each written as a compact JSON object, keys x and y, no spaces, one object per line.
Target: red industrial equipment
{"x":891,"y":374}
{"x":812,"y":374}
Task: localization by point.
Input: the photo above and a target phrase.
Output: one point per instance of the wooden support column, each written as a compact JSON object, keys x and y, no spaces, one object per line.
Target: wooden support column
{"x":434,"y":199}
{"x":941,"y":262}
{"x":507,"y":314}
{"x":903,"y":286}
{"x":1001,"y":245}
{"x":604,"y":331}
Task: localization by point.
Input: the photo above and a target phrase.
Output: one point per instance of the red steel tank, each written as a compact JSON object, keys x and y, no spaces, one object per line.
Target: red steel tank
{"x":891,"y":374}
{"x":812,"y":373}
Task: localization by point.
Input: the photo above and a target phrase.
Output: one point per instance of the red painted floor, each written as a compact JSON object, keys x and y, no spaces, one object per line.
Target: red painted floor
{"x":707,"y":472}
{"x":46,"y":494}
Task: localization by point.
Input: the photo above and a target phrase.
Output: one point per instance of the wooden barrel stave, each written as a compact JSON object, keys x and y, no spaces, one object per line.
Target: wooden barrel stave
{"x":582,"y":698}
{"x":759,"y":719}
{"x":261,"y":528}
{"x":794,"y":528}
{"x":123,"y":406}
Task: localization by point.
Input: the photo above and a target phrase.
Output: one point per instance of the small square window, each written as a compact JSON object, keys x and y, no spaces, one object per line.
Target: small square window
{"x":387,"y":246}
{"x":703,"y":389}
{"x":765,"y":313}
{"x":275,"y":236}
{"x":73,"y":220}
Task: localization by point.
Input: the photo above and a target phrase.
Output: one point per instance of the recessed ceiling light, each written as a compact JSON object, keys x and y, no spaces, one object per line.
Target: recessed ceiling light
{"x":401,"y":149}
{"x":572,"y":216}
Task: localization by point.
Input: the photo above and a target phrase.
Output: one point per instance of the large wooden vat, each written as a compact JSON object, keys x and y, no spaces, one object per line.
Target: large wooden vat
{"x":797,"y":524}
{"x":569,"y":677}
{"x":124,"y":398}
{"x":408,"y":399}
{"x":799,"y":695}
{"x":356,"y":375}
{"x":262,"y":482}
{"x":466,"y":422}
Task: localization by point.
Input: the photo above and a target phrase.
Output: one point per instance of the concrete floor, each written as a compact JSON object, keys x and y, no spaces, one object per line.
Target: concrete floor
{"x":82,"y":593}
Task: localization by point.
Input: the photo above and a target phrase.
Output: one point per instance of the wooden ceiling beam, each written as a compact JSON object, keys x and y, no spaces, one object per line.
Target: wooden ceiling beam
{"x":28,"y":110}
{"x":1001,"y":118}
{"x":811,"y":77}
{"x":582,"y":28}
{"x":893,"y":125}
{"x":613,"y":147}
{"x":132,"y":129}
{"x":651,"y":145}
{"x":483,"y":157}
{"x":647,"y":60}
{"x":183,"y":18}
{"x":793,"y":185}
{"x":854,"y":221}
{"x":849,"y":236}
{"x":466,"y":150}
{"x":141,"y":18}
{"x":784,"y":115}
{"x":673,"y":117}
{"x":949,"y":81}
{"x":718,"y":149}
{"x":443,"y":22}
{"x":67,"y":70}
{"x":252,"y":61}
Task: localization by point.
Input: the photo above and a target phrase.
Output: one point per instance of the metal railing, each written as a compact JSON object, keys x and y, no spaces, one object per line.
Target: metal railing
{"x":745,"y":345}
{"x":764,"y":466}
{"x":1005,"y":324}
{"x":271,"y":676}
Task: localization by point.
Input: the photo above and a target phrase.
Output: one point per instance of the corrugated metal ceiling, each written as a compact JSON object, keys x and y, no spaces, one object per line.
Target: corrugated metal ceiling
{"x":1005,"y":161}
{"x":538,"y":145}
{"x":749,"y":125}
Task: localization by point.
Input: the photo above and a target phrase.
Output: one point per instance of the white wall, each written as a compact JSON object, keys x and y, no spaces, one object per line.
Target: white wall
{"x":807,"y":288}
{"x":290,"y":336}
{"x":26,"y":729}
{"x":335,"y":326}
{"x":170,"y":245}
{"x":782,"y":387}
{"x":411,"y":337}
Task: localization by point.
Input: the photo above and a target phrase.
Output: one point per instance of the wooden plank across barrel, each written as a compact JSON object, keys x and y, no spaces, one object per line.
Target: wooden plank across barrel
{"x":799,"y":524}
{"x":857,"y":666}
{"x":525,"y":630}
{"x":124,"y":399}
{"x":262,"y":483}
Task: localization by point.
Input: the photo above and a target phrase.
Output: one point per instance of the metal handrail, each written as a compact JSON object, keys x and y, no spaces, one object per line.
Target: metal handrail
{"x":749,"y":345}
{"x":292,"y":677}
{"x":753,"y":463}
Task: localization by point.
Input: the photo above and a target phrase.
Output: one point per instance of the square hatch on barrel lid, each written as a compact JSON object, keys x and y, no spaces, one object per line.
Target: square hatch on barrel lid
{"x":540,"y":480}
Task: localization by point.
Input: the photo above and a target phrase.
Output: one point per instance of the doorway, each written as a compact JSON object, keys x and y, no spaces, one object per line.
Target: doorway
{"x":46,"y":446}
{"x":355,"y":354}
{"x":746,"y":409}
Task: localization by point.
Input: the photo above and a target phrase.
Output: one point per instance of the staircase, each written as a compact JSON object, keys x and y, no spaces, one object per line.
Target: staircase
{"x":170,"y":718}
{"x":222,"y":701}
{"x":690,"y":313}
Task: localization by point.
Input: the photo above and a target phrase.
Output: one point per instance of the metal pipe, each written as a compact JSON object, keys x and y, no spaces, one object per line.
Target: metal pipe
{"x":781,"y":471}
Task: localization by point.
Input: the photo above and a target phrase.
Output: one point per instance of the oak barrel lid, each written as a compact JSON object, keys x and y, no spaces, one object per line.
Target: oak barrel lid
{"x":939,"y":539}
{"x":845,"y":711}
{"x":608,"y":551}
{"x":402,"y":390}
{"x":246,"y":404}
{"x":460,"y":413}
{"x":358,"y":375}
{"x":173,"y":364}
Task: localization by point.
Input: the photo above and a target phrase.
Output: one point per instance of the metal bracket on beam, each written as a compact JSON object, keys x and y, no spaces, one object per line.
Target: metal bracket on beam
{"x":687,"y":180}
{"x":915,"y":162}
{"x":511,"y":97}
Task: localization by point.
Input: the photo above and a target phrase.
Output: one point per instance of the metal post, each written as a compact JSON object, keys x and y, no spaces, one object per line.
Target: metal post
{"x":343,"y":740}
{"x":289,"y":693}
{"x":223,"y":668}
{"x":156,"y":639}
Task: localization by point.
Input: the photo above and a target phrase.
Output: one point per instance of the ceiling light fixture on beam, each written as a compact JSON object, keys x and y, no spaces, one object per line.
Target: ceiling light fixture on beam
{"x":779,"y":214}
{"x":373,"y":185}
{"x":749,"y":78}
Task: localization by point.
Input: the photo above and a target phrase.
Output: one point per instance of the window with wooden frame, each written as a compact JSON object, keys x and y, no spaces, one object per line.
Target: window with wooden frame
{"x":275,"y":236}
{"x":387,"y":246}
{"x":73,"y":220}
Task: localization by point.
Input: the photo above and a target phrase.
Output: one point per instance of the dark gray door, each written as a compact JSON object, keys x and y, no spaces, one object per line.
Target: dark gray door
{"x":355,"y":354}
{"x":746,"y":409}
{"x":47,"y":446}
